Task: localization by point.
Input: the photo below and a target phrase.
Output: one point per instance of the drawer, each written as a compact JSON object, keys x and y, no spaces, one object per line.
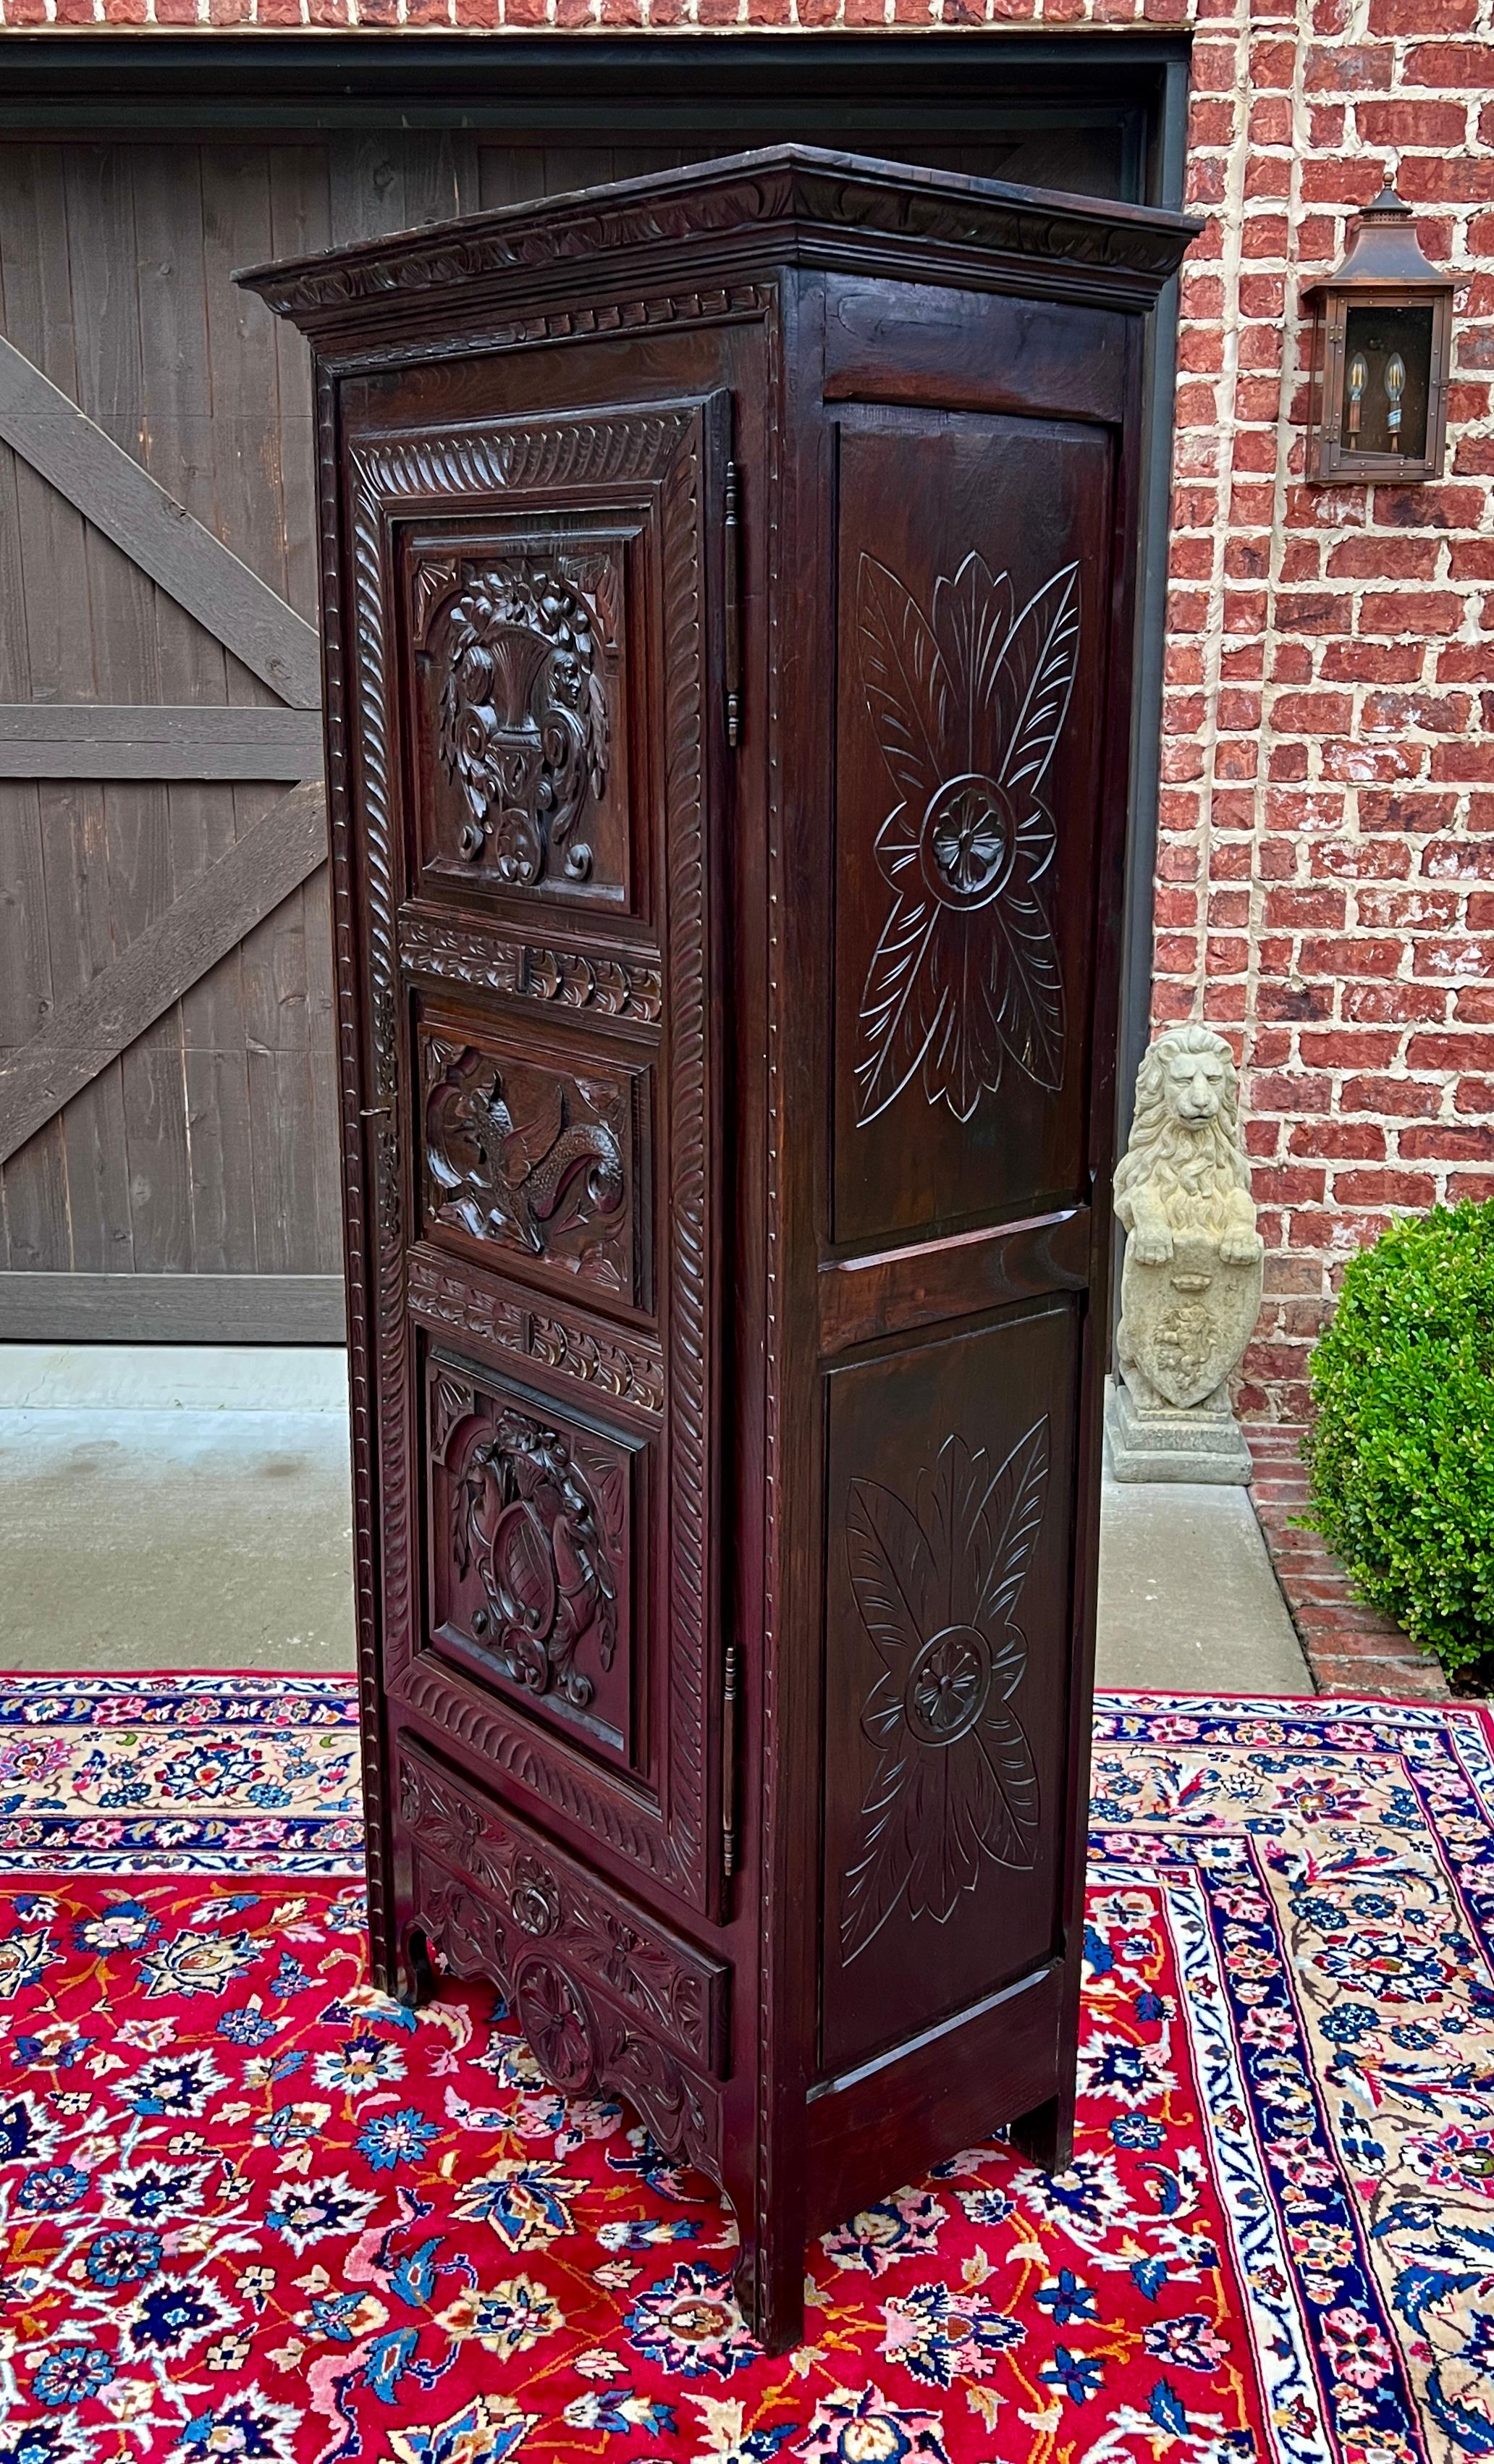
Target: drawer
{"x":564,"y":1944}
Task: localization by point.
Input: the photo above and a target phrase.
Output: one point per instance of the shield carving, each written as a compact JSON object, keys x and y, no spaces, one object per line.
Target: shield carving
{"x":1187,"y":1323}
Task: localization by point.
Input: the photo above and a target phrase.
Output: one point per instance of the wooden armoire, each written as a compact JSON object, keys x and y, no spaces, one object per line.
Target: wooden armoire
{"x":729,"y":606}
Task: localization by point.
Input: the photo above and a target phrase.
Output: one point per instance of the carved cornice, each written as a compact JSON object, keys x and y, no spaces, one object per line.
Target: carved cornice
{"x":797,"y":191}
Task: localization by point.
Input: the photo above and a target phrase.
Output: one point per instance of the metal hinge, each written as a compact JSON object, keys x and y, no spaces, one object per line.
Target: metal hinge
{"x":732,"y":560}
{"x":728,"y":1763}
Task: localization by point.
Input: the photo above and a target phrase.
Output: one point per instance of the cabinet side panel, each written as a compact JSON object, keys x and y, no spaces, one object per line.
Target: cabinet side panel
{"x":974,"y":600}
{"x":948,"y":1504}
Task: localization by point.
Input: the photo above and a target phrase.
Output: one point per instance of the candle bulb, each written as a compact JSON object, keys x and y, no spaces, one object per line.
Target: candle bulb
{"x":1358,"y":379}
{"x":1395,"y":388}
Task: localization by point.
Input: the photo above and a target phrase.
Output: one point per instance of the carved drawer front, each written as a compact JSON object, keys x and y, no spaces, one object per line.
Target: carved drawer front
{"x":541,"y":1895}
{"x":538,"y":1154}
{"x":973,"y":554}
{"x":947,"y":1655}
{"x":533,"y":1553}
{"x":611,"y":2001}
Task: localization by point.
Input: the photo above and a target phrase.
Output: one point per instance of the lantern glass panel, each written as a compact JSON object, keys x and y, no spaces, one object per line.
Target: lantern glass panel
{"x":1387,"y":368}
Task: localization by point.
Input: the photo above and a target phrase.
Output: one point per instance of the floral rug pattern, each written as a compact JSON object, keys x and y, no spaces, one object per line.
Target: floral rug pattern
{"x":206,"y":1775}
{"x":250,"y":2209}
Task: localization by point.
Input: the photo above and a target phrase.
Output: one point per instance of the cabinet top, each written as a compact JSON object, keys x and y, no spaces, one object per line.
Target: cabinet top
{"x":723,"y":222}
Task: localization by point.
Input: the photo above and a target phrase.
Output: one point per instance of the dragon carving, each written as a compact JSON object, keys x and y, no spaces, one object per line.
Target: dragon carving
{"x":549,"y":1180}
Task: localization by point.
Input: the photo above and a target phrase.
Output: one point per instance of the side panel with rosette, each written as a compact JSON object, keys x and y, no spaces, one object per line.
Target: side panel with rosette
{"x":532,"y":651}
{"x":971,"y":637}
{"x":950,"y":1506}
{"x":979,"y":455}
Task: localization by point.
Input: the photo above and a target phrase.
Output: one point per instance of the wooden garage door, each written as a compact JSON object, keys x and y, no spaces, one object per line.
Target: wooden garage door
{"x":168,"y":1124}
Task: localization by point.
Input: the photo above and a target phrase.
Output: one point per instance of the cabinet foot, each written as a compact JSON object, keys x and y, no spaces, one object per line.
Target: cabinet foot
{"x":771,"y":2293}
{"x":1045,"y":2136}
{"x":415,"y":1978}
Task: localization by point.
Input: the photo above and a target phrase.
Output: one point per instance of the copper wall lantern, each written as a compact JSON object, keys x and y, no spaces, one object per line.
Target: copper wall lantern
{"x":1381,"y":339}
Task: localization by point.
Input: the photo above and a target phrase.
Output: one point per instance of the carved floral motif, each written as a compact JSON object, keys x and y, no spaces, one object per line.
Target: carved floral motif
{"x":937,"y":1588}
{"x":525,"y":1520}
{"x":968,"y":703}
{"x":616,"y":987}
{"x":633,"y":1371}
{"x":555,"y":2019}
{"x":471,"y":465}
{"x":539,"y":1170}
{"x":583,"y":2044}
{"x":585,"y":1927}
{"x":524,"y":718}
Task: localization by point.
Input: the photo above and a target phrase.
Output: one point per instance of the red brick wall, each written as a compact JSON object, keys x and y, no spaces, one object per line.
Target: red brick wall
{"x":775,"y":16}
{"x":1325,"y":870}
{"x":1326,"y":873}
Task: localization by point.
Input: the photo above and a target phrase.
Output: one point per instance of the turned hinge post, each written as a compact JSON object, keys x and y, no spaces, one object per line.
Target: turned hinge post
{"x":732,"y":553}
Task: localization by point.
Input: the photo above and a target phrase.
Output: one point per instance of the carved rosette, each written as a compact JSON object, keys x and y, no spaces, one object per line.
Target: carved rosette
{"x":554,"y":2016}
{"x":938,"y":1585}
{"x":968,"y":702}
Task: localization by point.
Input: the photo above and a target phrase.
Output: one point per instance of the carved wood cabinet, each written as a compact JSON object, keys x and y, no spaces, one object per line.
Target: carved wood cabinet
{"x":729,"y":600}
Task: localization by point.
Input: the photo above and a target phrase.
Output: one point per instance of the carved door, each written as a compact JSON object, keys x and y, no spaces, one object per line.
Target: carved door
{"x":532,"y":632}
{"x":974,"y":554}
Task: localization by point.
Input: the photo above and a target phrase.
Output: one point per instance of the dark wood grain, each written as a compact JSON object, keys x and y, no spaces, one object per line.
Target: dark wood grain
{"x":743,"y":1566}
{"x":949,"y":1537}
{"x":892,"y":1291}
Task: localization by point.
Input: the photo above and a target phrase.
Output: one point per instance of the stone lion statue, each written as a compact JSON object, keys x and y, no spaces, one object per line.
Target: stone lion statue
{"x":1185,"y":1169}
{"x":1190,"y":1289}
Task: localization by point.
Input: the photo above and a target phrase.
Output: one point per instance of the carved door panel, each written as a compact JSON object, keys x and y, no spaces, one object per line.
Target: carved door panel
{"x":524,"y":631}
{"x":535,"y":1154}
{"x":535,"y":614}
{"x":948,"y":1554}
{"x":974,"y":554}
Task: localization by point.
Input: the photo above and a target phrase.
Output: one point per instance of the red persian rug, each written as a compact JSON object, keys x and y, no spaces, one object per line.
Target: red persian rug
{"x":249,"y":2209}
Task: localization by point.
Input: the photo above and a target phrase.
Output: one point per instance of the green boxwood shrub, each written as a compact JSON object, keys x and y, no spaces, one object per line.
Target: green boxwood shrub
{"x":1400,"y":1451}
